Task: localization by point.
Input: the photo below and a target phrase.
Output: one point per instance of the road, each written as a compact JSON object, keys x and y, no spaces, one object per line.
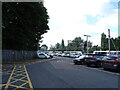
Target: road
{"x":60,"y":72}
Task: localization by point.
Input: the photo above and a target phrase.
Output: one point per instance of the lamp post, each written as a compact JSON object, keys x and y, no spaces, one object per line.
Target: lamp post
{"x":87,"y":41}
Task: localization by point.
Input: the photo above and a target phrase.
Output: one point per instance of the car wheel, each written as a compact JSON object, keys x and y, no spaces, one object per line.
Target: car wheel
{"x":88,"y":65}
{"x":98,"y":64}
{"x":79,"y":63}
{"x":118,"y":69}
{"x":75,"y":63}
{"x":105,"y":68}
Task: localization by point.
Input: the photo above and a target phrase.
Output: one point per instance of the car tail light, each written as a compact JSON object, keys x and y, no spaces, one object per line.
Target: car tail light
{"x":116,"y":60}
{"x":93,"y":57}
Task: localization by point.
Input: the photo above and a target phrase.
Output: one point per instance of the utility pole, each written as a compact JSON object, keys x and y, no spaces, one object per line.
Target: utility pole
{"x":109,"y":40}
{"x":87,"y":41}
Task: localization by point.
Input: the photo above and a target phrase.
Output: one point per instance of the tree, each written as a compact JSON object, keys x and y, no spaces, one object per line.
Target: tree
{"x":44,"y":47}
{"x":85,"y":46}
{"x":23,"y":24}
{"x":115,"y":43}
{"x":118,"y":43}
{"x":104,"y":42}
{"x":77,"y":44}
{"x":58,"y":47}
{"x":62,"y":46}
{"x":52,"y":48}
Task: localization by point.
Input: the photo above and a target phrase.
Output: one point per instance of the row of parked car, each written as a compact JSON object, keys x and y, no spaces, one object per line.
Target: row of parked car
{"x":72,"y":55}
{"x":107,"y":62}
{"x":98,"y":60}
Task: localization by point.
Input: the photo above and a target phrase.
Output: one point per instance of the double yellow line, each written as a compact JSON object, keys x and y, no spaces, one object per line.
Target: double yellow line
{"x":26,"y":73}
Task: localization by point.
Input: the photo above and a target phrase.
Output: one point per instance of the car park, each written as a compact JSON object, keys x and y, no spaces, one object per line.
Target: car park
{"x":94,"y":59}
{"x":111,"y":62}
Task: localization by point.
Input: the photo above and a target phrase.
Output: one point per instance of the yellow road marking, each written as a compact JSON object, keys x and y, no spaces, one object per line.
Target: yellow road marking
{"x":8,"y":83}
{"x":24,"y":74}
{"x":2,"y":85}
{"x":15,"y":80}
{"x":28,"y":78}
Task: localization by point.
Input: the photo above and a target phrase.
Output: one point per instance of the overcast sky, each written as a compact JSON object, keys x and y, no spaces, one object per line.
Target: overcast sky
{"x":74,"y":18}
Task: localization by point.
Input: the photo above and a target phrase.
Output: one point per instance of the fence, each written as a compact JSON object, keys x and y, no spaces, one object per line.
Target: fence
{"x":14,"y":55}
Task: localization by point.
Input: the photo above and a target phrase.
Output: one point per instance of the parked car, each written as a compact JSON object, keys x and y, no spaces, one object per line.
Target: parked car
{"x":51,"y":55}
{"x":65,"y":55}
{"x":43,"y":56}
{"x":111,"y":62}
{"x":74,"y":55}
{"x":94,"y":59}
{"x":81,"y":59}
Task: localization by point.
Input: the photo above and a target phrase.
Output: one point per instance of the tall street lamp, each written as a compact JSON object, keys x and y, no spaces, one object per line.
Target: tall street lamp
{"x":87,"y":41}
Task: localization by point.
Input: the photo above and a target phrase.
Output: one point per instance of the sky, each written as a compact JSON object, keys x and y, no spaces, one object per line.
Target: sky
{"x":76,"y":18}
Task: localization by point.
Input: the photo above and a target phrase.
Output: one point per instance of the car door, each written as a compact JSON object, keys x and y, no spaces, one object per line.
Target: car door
{"x":109,"y":62}
{"x":42,"y":56}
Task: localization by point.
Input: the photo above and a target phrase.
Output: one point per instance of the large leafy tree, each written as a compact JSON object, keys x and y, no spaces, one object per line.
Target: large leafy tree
{"x":58,"y":47}
{"x":77,"y":44}
{"x":44,"y":47}
{"x":23,"y":23}
{"x":104,"y":42}
{"x":114,"y":43}
{"x":62,"y":46}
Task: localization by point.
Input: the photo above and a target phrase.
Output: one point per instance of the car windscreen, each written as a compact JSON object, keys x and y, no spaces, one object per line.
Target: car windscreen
{"x":81,"y":57}
{"x":97,"y":56}
{"x":109,"y":58}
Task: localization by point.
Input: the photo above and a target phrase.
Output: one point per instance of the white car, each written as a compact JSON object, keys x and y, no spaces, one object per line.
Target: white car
{"x":43,"y":56}
{"x":74,"y":55}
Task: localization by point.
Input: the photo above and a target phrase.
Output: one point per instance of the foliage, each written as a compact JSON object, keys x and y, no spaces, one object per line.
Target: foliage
{"x":58,"y":47}
{"x":103,"y":42}
{"x":23,"y":24}
{"x":44,"y":47}
{"x":62,"y":46}
{"x":76,"y":44}
{"x":114,"y":43}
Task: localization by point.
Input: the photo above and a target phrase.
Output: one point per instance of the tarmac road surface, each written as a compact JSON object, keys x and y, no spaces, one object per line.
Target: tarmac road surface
{"x":62,"y":73}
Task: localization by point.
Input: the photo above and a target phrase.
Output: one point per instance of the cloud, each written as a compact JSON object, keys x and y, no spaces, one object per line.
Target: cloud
{"x":68,"y":20}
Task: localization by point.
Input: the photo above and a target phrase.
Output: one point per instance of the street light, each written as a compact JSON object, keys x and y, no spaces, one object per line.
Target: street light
{"x":87,"y":41}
